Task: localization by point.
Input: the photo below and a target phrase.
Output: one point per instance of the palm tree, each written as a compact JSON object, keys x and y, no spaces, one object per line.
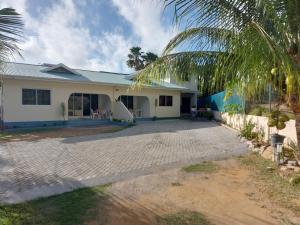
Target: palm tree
{"x":135,"y":59}
{"x":11,"y":30}
{"x":249,"y":39}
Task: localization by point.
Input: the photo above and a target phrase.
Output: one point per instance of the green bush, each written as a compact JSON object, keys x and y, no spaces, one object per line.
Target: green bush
{"x":232,"y":109}
{"x":258,"y":111}
{"x":247,"y":131}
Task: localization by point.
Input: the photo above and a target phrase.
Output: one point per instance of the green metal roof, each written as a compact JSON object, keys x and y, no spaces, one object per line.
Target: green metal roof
{"x":30,"y":71}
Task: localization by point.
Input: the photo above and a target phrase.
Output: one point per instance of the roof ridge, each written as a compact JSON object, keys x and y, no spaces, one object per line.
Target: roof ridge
{"x":96,"y":71}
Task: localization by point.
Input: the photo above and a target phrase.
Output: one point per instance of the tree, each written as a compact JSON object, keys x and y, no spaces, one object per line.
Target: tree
{"x":11,"y":30}
{"x":138,"y":59}
{"x":149,"y":58}
{"x":249,"y":39}
{"x":135,"y":59}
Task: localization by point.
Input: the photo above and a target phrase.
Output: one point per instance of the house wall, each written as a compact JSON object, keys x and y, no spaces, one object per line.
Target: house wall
{"x":14,"y":111}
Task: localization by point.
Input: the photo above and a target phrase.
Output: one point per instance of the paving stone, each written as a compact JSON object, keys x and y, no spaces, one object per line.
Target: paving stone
{"x":31,"y":169}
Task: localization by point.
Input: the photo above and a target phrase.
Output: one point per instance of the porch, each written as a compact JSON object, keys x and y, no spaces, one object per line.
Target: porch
{"x":138,"y":106}
{"x":89,"y":106}
{"x":188,"y":100}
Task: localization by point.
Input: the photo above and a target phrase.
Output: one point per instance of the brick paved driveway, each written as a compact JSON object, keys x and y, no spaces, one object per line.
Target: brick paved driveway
{"x":51,"y":166}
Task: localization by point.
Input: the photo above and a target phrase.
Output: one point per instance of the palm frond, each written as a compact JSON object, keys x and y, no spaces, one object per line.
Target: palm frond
{"x":11,"y":31}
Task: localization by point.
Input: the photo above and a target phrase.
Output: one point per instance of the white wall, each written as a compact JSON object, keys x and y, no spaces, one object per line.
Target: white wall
{"x":121,"y":112}
{"x":14,"y":111}
{"x":237,"y":121}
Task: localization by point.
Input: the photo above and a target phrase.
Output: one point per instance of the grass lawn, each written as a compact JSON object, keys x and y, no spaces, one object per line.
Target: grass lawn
{"x":278,"y":189}
{"x":83,"y":206}
{"x":71,"y":208}
{"x":206,"y":167}
{"x":184,"y":218}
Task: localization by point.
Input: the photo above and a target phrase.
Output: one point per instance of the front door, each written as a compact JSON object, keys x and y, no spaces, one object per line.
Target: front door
{"x":185,"y":104}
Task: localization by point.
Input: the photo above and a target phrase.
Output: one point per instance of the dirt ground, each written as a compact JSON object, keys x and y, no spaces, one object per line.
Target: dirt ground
{"x":228,"y":197}
{"x":33,"y":135}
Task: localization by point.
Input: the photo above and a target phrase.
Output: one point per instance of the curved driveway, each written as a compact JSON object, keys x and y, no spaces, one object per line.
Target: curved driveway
{"x":51,"y":166}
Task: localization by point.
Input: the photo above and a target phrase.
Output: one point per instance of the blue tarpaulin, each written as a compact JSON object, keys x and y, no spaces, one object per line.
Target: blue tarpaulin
{"x":217,"y":101}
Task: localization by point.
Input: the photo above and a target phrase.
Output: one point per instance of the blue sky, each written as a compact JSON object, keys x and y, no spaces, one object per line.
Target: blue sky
{"x":91,"y":34}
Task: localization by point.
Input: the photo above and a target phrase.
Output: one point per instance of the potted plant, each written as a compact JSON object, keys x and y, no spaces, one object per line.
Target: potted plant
{"x":278,"y":120}
{"x":208,"y":107}
{"x":63,"y":110}
{"x":194,"y":108}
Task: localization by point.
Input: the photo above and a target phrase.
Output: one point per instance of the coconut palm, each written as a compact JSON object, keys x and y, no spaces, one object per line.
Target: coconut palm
{"x":254,"y":43}
{"x":11,"y":29}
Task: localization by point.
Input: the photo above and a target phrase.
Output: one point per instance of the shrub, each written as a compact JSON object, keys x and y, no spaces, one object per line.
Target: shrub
{"x":277,"y":119}
{"x":247,"y":130}
{"x":258,"y":111}
{"x":232,"y":109}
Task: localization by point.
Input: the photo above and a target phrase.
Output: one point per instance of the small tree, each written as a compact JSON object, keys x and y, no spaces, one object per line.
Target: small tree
{"x":63,"y":110}
{"x":278,"y":120}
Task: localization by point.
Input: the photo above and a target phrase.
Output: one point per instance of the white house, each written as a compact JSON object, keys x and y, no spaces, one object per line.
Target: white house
{"x":44,"y":95}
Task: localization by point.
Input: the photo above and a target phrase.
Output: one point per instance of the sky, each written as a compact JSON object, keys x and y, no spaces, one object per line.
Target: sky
{"x":91,"y":34}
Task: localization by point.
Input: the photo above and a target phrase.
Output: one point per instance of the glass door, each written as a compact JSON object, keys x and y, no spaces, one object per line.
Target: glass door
{"x":86,"y":104}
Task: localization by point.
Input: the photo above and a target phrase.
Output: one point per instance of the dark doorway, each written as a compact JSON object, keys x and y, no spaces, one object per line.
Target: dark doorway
{"x":185,"y":104}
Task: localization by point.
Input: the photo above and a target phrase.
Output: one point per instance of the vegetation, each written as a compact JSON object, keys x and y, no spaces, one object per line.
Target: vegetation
{"x":258,"y":111}
{"x":184,"y":218}
{"x":236,"y":45}
{"x":139,"y":60}
{"x":11,"y":31}
{"x":206,"y":167}
{"x":247,"y":130}
{"x":232,"y":109}
{"x":278,"y":120}
{"x":278,"y":189}
{"x":71,"y":208}
{"x":63,"y":109}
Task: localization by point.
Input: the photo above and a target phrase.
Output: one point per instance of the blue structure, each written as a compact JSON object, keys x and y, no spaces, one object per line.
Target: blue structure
{"x":217,"y":101}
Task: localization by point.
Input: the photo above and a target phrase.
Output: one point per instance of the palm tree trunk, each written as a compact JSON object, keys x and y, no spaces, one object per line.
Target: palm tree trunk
{"x":297,"y":115}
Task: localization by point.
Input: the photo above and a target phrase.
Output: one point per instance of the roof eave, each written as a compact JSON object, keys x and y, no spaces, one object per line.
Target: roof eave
{"x":88,"y":82}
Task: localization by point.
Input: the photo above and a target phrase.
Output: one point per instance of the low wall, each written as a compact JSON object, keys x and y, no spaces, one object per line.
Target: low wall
{"x":237,"y":122}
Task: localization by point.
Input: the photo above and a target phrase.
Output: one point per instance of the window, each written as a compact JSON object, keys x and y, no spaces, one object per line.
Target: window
{"x":35,"y":97}
{"x":29,"y":97}
{"x":43,"y":97}
{"x":165,"y":100}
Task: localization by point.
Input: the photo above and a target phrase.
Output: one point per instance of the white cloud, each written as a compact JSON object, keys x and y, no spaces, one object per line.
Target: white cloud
{"x":58,"y":34}
{"x":145,"y":16}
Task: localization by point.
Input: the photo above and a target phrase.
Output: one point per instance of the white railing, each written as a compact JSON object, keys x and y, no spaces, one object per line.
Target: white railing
{"x":122,"y":113}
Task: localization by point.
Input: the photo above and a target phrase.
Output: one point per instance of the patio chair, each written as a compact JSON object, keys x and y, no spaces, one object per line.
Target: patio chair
{"x":94,"y":114}
{"x":103,"y":114}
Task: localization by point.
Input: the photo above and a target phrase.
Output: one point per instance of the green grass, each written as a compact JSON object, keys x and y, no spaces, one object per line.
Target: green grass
{"x":71,"y":208}
{"x":206,"y":167}
{"x":184,"y":218}
{"x":278,"y":189}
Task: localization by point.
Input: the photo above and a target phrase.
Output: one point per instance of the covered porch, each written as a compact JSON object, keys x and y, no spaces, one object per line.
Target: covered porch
{"x":138,"y":106}
{"x":89,"y":106}
{"x":188,"y":100}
